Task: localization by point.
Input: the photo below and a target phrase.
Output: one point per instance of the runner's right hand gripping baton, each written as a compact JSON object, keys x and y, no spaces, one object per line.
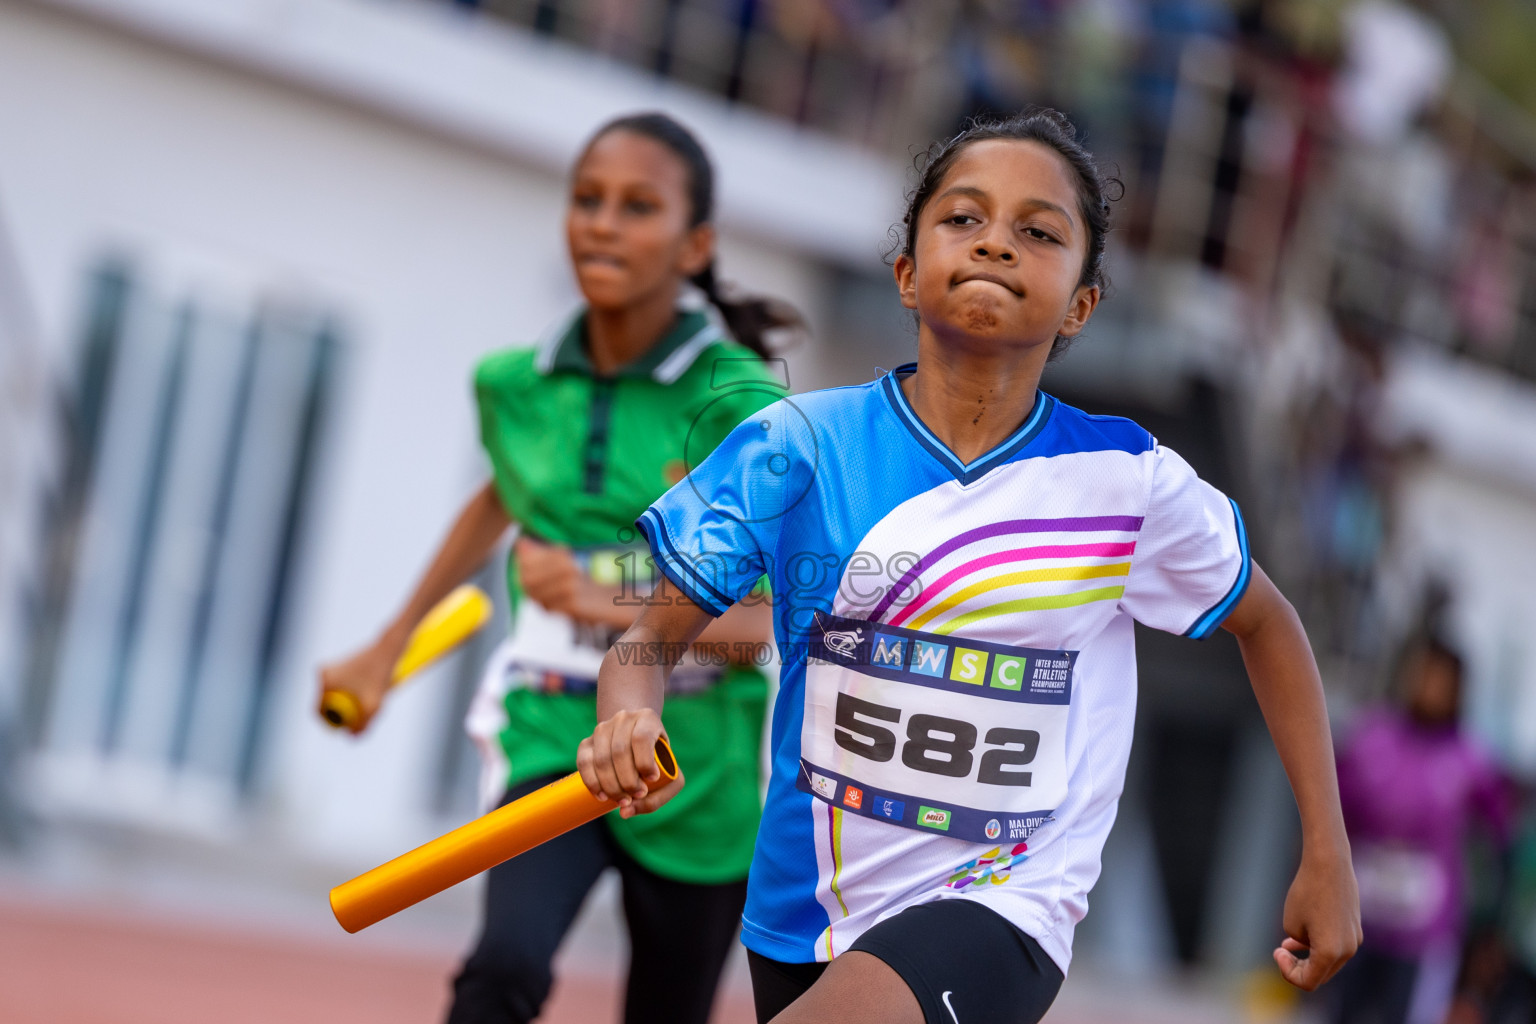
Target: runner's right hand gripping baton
{"x":478,"y":846}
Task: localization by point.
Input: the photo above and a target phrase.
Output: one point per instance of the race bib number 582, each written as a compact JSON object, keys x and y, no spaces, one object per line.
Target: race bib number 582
{"x":934,"y":732}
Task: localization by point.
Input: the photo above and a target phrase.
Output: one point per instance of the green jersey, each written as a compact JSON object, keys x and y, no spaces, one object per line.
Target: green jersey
{"x":576,"y":458}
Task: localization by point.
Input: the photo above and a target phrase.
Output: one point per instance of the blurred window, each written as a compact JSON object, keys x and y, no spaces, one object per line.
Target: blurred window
{"x":189,"y":442}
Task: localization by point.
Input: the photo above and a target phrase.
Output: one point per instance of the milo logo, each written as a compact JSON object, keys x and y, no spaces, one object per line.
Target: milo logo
{"x":933,"y":817}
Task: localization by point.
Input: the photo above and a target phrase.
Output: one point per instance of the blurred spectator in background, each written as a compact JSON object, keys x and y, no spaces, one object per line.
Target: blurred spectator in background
{"x":1495,"y":987}
{"x":1412,"y":785}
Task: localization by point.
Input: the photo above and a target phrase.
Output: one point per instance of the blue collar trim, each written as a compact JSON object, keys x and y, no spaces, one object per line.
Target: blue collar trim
{"x":965,"y":472}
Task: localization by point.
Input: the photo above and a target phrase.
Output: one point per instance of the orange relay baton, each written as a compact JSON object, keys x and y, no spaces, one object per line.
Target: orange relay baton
{"x":450,"y":622}
{"x":478,"y":846}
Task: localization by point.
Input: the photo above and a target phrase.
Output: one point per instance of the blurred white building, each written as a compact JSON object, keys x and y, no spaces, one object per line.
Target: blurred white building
{"x":259,"y":246}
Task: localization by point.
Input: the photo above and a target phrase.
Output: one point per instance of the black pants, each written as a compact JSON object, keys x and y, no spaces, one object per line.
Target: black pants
{"x":1373,"y":988}
{"x":679,"y":933}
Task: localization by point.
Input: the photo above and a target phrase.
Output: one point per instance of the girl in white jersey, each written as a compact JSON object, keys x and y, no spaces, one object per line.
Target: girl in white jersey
{"x":957,"y":560}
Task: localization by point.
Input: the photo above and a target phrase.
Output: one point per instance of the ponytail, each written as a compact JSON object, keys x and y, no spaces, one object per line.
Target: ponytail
{"x":748,"y":318}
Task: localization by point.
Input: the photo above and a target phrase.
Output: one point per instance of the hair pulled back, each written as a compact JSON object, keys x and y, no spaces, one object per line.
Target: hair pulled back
{"x":749,"y":318}
{"x":1095,"y":189}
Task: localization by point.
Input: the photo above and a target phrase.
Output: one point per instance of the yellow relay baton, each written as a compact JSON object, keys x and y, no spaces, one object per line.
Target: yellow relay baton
{"x":450,"y":622}
{"x":478,"y":846}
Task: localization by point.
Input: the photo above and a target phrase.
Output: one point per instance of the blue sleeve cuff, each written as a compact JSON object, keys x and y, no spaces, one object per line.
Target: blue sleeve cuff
{"x":1206,"y":624}
{"x":677,"y":567}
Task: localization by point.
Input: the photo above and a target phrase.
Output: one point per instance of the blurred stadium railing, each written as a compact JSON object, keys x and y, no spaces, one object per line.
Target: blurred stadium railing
{"x":862,"y":71}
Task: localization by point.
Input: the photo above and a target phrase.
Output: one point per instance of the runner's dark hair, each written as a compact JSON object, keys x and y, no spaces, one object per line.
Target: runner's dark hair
{"x":749,"y":318}
{"x":1095,"y":188}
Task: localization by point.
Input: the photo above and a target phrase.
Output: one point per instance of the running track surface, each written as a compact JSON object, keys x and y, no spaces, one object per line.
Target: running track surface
{"x":75,"y":964}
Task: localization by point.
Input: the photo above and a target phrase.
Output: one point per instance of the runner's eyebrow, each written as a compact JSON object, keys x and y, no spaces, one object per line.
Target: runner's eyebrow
{"x":972,"y":192}
{"x":1050,"y":207}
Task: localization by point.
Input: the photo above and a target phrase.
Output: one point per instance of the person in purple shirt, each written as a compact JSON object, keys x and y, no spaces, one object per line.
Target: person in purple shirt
{"x":1413,"y":786}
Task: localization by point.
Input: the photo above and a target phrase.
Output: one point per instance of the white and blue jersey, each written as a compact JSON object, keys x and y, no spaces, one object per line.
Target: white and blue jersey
{"x":959,"y":673}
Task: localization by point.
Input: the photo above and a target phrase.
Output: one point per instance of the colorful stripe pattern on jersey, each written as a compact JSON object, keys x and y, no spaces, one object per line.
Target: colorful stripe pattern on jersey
{"x":959,"y":677}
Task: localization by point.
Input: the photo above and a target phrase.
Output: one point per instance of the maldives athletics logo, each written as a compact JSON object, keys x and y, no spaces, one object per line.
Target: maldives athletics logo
{"x":994,"y":829}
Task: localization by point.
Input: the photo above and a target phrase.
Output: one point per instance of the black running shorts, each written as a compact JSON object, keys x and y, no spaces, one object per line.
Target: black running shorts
{"x":964,"y":963}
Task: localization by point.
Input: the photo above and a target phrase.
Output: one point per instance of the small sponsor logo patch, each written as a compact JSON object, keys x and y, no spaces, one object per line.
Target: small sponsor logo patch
{"x":853,"y":796}
{"x":1023,"y":828}
{"x":994,"y":829}
{"x":933,"y":817}
{"x":825,"y":787}
{"x":885,"y":807}
{"x":843,"y":642}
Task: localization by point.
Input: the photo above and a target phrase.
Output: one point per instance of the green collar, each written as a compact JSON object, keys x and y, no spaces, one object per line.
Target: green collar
{"x":691,"y":333}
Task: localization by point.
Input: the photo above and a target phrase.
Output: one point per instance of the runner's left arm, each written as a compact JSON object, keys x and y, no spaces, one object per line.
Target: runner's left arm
{"x":1322,"y":909}
{"x":1191,"y":572}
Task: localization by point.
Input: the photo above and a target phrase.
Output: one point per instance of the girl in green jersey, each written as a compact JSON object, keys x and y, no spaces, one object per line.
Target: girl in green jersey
{"x":583,"y":433}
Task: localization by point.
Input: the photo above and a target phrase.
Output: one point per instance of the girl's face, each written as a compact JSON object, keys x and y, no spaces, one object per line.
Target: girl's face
{"x":1434,"y":693}
{"x":627,"y":224}
{"x":999,"y":252}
